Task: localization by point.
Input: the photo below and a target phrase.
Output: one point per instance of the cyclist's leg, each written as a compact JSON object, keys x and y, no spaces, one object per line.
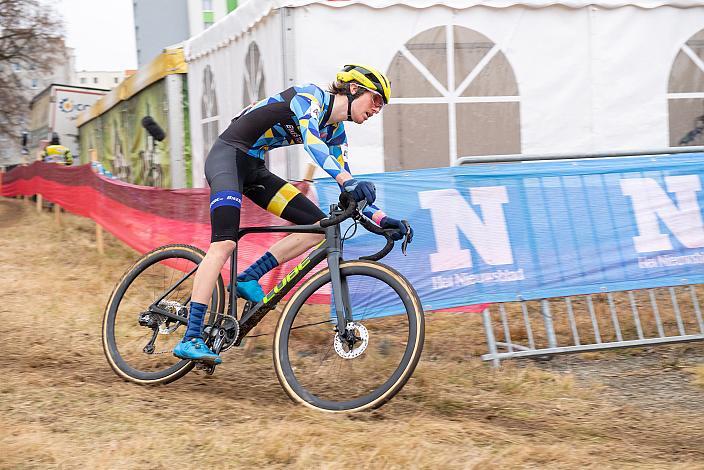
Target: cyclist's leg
{"x":284,"y":200}
{"x":225,"y":204}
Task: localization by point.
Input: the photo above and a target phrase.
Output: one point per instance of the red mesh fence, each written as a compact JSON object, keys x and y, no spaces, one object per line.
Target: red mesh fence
{"x":143,"y":217}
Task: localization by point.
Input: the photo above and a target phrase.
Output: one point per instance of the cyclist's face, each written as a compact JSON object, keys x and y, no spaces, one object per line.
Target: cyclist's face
{"x":367,"y":105}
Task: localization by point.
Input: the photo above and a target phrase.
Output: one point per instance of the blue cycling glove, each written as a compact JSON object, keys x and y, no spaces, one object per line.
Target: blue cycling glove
{"x":360,"y":190}
{"x":401,"y":226}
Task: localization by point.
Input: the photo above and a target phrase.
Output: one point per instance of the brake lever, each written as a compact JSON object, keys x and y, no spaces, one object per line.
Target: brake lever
{"x":407,"y":238}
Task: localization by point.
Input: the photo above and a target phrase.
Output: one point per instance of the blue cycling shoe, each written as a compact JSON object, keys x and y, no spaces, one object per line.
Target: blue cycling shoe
{"x":250,"y":290}
{"x":195,"y":349}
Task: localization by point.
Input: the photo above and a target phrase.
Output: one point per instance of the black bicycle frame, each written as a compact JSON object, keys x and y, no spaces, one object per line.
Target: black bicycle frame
{"x":330,"y":249}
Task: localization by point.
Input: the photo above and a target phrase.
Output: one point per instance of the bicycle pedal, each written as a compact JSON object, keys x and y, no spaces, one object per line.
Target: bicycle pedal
{"x":206,"y":367}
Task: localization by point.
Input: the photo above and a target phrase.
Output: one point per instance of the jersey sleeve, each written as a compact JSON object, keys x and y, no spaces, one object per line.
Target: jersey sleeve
{"x":337,"y":143}
{"x":307,"y":109}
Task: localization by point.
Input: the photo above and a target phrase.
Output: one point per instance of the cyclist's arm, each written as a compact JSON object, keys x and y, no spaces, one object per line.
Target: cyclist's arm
{"x":307,"y":109}
{"x":337,"y":143}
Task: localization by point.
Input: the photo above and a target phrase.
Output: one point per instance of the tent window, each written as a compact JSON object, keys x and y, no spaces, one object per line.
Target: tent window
{"x":209,"y":111}
{"x":253,"y":87}
{"x":454,"y":94}
{"x":686,"y":94}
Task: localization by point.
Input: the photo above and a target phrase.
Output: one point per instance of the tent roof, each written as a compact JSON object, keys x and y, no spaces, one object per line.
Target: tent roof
{"x":168,"y":62}
{"x":246,"y":16}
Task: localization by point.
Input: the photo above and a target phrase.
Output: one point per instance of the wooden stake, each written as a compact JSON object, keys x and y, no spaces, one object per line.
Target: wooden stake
{"x":98,"y":228}
{"x":57,"y":214}
{"x":99,"y":238}
{"x":310,"y":171}
{"x":39,"y":203}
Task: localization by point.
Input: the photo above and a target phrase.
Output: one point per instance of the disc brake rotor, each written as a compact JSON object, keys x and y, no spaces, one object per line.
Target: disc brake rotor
{"x":361,"y":341}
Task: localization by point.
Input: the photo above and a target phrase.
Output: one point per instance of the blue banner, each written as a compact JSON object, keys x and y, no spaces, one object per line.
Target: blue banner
{"x":506,"y":232}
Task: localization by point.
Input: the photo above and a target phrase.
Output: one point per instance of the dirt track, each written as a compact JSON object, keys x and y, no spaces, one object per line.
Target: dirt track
{"x":62,"y":406}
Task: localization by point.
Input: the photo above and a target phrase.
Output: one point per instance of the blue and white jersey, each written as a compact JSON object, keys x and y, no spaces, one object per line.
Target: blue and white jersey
{"x":297,"y":115}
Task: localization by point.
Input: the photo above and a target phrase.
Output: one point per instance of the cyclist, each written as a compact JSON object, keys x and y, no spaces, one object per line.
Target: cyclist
{"x":304,"y":115}
{"x":57,"y":153}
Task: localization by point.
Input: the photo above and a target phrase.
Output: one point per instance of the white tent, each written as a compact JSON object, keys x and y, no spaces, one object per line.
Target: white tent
{"x":519,"y":77}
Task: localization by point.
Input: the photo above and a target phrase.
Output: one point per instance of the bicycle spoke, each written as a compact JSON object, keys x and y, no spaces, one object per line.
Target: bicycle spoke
{"x":320,"y":368}
{"x":130,"y":325}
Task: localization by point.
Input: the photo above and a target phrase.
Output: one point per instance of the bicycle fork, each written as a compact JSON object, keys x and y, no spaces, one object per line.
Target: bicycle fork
{"x":340,"y":289}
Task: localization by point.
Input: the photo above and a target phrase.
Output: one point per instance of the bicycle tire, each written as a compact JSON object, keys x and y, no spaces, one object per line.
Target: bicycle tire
{"x":115,"y":357}
{"x":291,"y":375}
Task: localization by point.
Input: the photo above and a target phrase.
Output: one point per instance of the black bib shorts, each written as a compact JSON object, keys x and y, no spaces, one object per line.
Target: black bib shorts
{"x":231,"y":173}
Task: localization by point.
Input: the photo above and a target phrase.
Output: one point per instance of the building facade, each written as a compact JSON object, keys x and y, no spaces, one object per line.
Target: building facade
{"x":99,"y":79}
{"x":33,"y":82}
{"x":186,"y":18}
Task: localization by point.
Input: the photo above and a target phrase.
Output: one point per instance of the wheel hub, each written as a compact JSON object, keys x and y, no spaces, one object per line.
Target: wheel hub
{"x":356,"y":345}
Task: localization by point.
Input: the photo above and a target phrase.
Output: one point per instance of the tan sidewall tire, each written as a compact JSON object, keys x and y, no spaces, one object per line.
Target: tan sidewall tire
{"x":106,"y":316}
{"x":405,"y":375}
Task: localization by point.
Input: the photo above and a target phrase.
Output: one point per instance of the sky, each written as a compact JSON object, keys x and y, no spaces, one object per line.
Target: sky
{"x":101,"y":33}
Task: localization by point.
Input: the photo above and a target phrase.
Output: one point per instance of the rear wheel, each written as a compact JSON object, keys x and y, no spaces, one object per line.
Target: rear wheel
{"x":137,"y":342}
{"x":327,"y":371}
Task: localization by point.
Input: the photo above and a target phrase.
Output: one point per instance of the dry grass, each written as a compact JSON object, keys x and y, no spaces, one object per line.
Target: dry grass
{"x":62,"y":407}
{"x":698,"y":373}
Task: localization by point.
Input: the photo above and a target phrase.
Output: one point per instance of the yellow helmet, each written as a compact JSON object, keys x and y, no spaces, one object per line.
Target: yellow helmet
{"x":367,"y":77}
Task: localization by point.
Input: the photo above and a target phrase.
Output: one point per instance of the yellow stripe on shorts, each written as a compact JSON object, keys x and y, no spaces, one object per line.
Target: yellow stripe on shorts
{"x":281,"y":199}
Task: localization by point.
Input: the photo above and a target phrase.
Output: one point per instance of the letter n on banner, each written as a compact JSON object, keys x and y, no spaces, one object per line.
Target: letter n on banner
{"x":651,"y":204}
{"x":450,"y":212}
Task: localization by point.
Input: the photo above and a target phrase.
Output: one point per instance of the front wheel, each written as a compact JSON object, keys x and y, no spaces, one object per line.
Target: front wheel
{"x":324,"y":370}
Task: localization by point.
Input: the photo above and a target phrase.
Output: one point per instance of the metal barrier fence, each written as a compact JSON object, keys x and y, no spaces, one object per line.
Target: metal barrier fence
{"x":593,"y":322}
{"x":519,"y":157}
{"x":596,"y":321}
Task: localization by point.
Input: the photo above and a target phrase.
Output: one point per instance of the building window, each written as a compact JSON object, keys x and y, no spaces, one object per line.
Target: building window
{"x":454,"y":95}
{"x":208,"y":19}
{"x":16,"y":67}
{"x":83,"y":79}
{"x":685,"y":95}
{"x":34,"y":84}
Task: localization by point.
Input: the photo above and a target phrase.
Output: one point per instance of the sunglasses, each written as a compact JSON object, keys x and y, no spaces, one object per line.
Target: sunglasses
{"x":377,"y":99}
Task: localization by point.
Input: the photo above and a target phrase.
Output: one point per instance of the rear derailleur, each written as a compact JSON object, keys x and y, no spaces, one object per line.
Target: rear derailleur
{"x":160,"y":324}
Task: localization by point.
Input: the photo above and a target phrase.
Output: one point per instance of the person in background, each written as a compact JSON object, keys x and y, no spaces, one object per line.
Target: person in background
{"x":57,"y":153}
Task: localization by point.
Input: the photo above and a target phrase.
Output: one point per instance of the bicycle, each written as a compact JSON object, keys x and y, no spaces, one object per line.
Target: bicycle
{"x":351,"y":355}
